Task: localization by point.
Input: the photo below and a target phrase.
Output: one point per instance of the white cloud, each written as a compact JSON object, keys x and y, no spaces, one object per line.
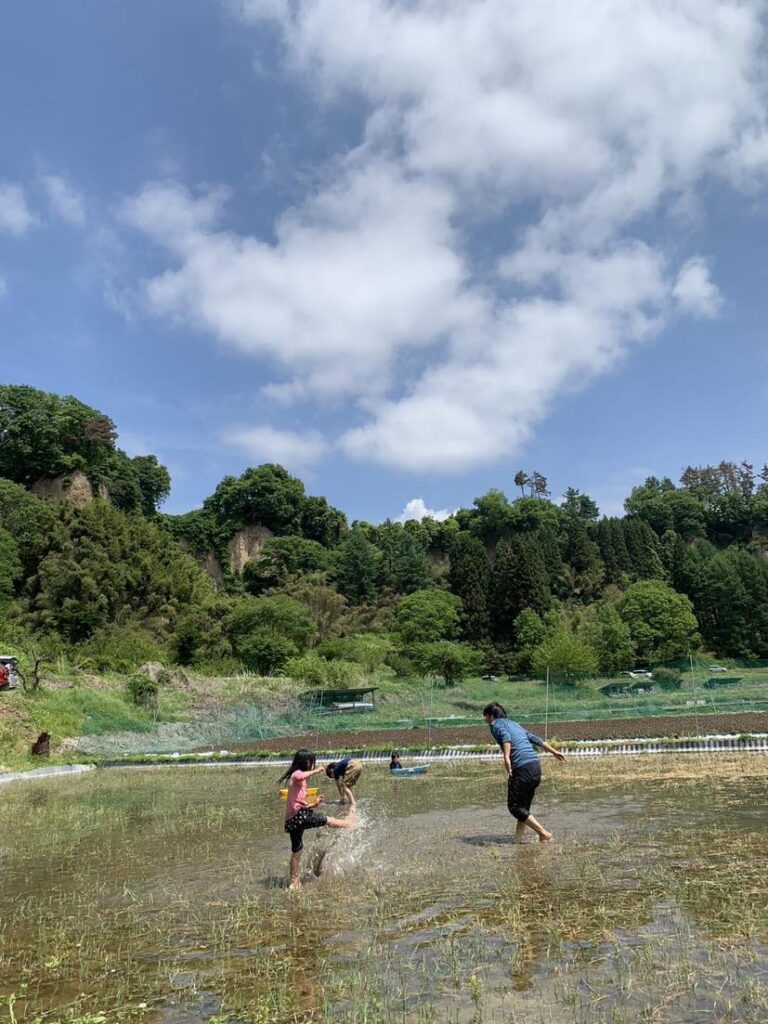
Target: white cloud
{"x":63,"y":199}
{"x":583,"y":119}
{"x":15,"y":216}
{"x":416,"y":508}
{"x":365,"y":268}
{"x":266,"y":444}
{"x":694,"y":290}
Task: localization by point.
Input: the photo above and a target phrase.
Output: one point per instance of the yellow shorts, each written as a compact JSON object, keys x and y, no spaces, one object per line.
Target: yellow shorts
{"x":352,"y":774}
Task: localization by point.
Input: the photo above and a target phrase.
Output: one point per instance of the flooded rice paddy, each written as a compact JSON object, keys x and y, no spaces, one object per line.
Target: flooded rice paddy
{"x":159,"y":896}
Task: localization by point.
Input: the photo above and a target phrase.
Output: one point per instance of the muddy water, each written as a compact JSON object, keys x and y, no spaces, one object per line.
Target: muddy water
{"x":160,"y":895}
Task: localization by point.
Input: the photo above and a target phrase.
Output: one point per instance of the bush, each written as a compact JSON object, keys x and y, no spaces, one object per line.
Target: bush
{"x":450,"y":661}
{"x":566,"y":656}
{"x":401,"y":664}
{"x":368,"y":650}
{"x":143,"y":692}
{"x":265,"y":651}
{"x":342,"y":673}
{"x":309,"y":669}
{"x":667,"y":678}
{"x":427,"y":616}
{"x":119,"y":649}
{"x":277,"y":613}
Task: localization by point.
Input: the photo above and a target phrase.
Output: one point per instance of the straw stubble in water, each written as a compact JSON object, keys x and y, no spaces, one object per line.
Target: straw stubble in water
{"x":160,"y":896}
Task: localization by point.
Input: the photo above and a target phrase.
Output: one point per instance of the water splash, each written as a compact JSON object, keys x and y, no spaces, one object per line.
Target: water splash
{"x":340,"y":851}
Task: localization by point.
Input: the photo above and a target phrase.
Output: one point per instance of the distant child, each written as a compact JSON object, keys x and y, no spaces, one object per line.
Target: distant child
{"x":299,"y":816}
{"x":395,"y":761}
{"x":345,"y":774}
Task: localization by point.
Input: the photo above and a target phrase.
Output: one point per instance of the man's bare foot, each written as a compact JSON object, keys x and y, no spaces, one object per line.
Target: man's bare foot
{"x":548,"y":838}
{"x":295,"y":886}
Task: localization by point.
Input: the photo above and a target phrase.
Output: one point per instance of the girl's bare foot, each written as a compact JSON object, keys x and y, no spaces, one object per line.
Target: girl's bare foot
{"x":295,"y":885}
{"x":548,"y":838}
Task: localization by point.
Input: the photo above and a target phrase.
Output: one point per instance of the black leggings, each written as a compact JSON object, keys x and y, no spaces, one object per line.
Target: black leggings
{"x":521,"y":789}
{"x":302,"y":820}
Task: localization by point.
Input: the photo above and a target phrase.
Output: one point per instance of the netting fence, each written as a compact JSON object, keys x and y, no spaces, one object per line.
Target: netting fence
{"x":702,"y":692}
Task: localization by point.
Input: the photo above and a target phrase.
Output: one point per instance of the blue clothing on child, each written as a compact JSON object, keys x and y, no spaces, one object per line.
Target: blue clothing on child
{"x":520,"y":741}
{"x":340,"y":767}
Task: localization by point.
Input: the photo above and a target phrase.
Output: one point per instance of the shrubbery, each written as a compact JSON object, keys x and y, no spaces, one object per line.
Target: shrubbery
{"x":143,"y":692}
{"x":667,"y":678}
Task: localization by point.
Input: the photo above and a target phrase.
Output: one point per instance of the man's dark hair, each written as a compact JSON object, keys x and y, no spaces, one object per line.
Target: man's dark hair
{"x":495,"y":711}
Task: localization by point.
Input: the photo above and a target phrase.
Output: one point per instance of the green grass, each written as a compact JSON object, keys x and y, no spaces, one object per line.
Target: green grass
{"x":219,"y":713}
{"x":70,"y":712}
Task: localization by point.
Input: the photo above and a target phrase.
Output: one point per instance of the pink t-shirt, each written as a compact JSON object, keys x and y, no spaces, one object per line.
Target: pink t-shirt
{"x":297,"y":794}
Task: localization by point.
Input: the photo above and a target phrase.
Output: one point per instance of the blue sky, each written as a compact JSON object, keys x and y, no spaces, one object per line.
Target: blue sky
{"x":404,"y":248}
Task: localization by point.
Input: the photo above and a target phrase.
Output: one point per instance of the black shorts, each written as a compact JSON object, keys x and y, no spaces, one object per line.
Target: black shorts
{"x":521,"y":788}
{"x":295,"y":826}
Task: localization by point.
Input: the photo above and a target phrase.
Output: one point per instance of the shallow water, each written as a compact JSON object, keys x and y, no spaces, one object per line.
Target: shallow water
{"x":160,"y":895}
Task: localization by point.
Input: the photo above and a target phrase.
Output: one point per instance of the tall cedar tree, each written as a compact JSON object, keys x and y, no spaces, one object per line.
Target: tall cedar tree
{"x":643,"y":547}
{"x":546,"y":541}
{"x":469,"y":578}
{"x":613,"y":550}
{"x":357,"y":567}
{"x":403,"y":567}
{"x":518,"y":581}
{"x":584,"y":559}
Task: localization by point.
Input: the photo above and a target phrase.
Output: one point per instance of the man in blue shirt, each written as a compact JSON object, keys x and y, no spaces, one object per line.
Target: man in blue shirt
{"x":522,"y":766}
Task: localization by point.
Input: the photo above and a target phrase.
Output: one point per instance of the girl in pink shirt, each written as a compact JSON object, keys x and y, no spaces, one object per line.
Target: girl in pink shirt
{"x":299,"y":815}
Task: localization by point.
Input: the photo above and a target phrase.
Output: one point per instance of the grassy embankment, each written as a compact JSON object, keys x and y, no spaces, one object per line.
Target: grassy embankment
{"x":220,"y":712}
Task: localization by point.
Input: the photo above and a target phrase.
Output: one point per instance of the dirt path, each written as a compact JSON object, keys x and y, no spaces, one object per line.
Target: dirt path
{"x":601,"y":729}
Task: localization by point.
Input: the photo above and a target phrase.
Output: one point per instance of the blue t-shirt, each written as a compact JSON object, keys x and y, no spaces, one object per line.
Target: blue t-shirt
{"x":519,"y":739}
{"x":341,"y":767}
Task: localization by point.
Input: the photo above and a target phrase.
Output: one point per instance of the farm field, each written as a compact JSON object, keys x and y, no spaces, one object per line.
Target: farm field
{"x":159,"y":897}
{"x":627,"y":728}
{"x":257,"y":713}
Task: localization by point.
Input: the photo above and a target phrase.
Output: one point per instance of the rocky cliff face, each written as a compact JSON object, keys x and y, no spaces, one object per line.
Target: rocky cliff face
{"x":74,"y":489}
{"x":246,"y":545}
{"x":210,"y":565}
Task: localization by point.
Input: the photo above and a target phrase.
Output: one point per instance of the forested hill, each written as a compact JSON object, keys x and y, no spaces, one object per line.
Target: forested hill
{"x":513,"y":583}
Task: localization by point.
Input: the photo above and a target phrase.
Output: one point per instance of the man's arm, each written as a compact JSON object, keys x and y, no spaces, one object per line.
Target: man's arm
{"x":506,"y":748}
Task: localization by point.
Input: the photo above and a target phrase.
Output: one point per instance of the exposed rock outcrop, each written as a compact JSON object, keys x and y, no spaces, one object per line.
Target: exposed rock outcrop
{"x":209,"y":563}
{"x":75,"y":489}
{"x":246,"y":545}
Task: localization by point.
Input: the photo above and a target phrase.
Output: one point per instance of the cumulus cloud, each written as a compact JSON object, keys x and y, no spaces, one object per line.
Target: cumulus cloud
{"x":365,"y":268}
{"x":65,"y":201}
{"x":267,"y":444}
{"x":15,"y":216}
{"x":694,"y":290}
{"x":417,"y":509}
{"x":578,"y":123}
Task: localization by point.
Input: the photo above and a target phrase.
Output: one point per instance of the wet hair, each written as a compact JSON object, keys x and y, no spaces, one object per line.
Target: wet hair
{"x":303,"y":761}
{"x":495,"y":711}
{"x":394,"y":754}
{"x":329,"y":769}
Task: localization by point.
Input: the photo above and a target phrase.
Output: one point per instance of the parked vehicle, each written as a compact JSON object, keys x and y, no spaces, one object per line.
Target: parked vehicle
{"x":9,"y":672}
